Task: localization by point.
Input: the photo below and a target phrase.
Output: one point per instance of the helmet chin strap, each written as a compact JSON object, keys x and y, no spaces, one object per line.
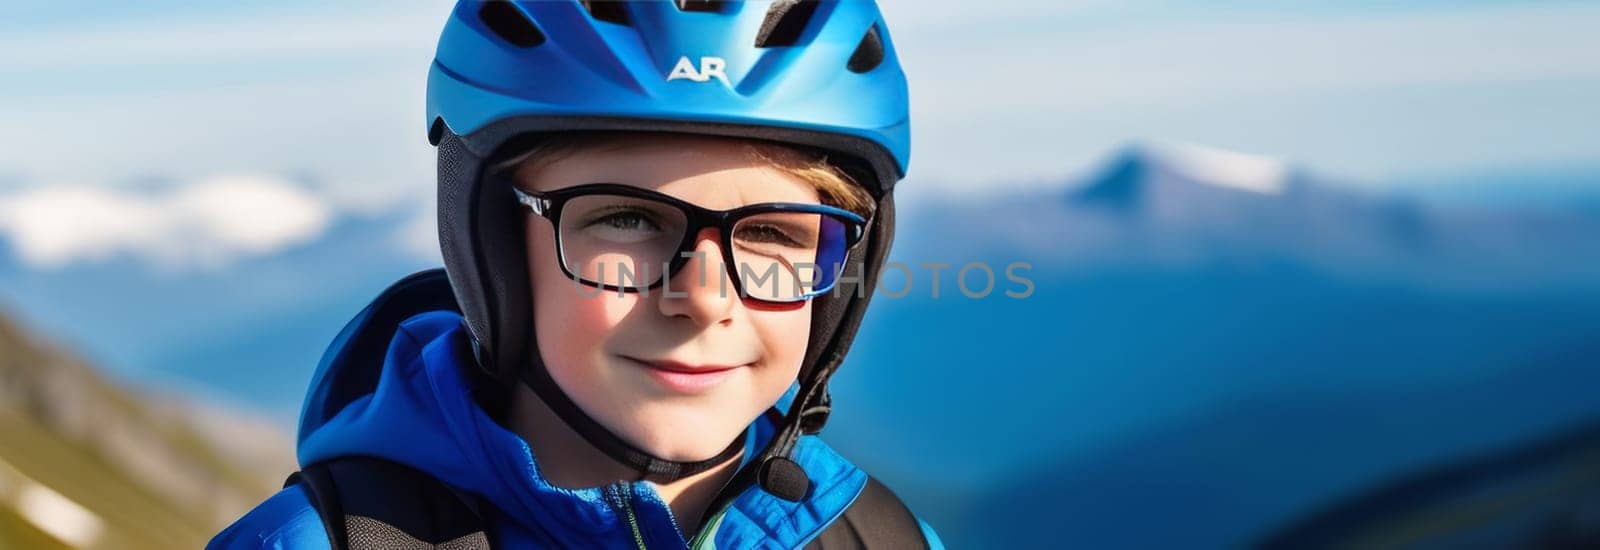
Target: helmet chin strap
{"x":538,"y":379}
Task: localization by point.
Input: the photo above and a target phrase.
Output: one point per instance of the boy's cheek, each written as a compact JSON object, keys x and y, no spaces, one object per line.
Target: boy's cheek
{"x":570,"y":325}
{"x":575,"y":324}
{"x":785,"y":334}
{"x":572,"y":334}
{"x":564,"y":309}
{"x":584,"y":308}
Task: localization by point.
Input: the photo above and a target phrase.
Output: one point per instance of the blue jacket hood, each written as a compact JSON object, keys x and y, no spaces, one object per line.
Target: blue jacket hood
{"x":414,"y":406}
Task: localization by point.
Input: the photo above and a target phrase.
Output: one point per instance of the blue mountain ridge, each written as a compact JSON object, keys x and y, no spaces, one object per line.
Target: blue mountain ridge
{"x":1200,"y":364}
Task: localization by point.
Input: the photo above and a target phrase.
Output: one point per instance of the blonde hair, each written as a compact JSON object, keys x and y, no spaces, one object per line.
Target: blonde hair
{"x":834,"y":186}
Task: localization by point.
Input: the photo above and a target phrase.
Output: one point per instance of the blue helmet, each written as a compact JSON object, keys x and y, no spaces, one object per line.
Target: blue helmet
{"x":815,"y":74}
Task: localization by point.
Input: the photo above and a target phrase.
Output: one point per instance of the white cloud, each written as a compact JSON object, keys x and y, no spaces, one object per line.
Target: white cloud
{"x":206,"y":224}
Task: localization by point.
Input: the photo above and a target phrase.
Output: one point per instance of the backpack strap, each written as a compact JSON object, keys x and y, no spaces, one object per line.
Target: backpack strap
{"x":369,"y":503}
{"x":877,"y":519}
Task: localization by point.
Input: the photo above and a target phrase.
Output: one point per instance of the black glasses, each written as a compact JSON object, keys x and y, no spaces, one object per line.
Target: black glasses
{"x":629,"y":239}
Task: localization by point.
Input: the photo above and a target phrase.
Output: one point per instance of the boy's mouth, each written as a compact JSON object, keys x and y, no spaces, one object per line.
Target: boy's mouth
{"x":682,"y":377}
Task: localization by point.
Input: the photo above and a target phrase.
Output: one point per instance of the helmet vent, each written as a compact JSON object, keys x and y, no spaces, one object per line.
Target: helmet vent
{"x":700,"y":5}
{"x":505,"y":20}
{"x":786,"y":19}
{"x":868,"y":54}
{"x":610,"y":11}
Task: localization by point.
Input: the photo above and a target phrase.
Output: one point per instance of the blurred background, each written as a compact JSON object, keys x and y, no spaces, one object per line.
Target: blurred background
{"x":1304,"y":273}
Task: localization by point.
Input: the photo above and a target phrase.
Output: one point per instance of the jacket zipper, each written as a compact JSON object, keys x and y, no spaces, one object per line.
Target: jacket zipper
{"x":707,"y":530}
{"x":625,"y":496}
{"x":721,"y":502}
{"x":742,"y":480}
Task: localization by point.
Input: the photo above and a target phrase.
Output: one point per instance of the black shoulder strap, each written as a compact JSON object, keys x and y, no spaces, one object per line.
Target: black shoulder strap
{"x":876,"y":520}
{"x":368,"y":502}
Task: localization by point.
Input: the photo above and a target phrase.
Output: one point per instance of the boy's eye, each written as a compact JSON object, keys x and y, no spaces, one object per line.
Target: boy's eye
{"x":626,"y":220}
{"x":622,"y":224}
{"x":765,"y":233}
{"x":788,"y":231}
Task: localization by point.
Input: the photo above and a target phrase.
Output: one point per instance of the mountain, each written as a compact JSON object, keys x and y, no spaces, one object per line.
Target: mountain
{"x":1176,"y":207}
{"x":1213,"y":357}
{"x":87,"y":463}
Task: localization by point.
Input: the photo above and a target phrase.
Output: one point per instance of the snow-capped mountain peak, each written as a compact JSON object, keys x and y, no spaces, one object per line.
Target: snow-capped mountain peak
{"x":1221,"y":167}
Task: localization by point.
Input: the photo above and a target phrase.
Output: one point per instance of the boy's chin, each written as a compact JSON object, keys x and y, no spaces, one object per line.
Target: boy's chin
{"x":685,"y":442}
{"x":696,"y":449}
{"x":692,"y":453}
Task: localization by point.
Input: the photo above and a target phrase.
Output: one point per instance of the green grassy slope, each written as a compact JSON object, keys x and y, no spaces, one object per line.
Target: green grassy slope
{"x":148,"y":476}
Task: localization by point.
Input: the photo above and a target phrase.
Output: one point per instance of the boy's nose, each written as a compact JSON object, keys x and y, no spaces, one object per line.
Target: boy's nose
{"x":701,"y":290}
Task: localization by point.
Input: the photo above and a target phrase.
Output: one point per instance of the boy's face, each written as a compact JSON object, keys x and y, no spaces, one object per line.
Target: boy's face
{"x":729,"y":359}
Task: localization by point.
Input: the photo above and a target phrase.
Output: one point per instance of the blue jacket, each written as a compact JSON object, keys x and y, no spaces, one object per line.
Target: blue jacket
{"x":420,"y":413}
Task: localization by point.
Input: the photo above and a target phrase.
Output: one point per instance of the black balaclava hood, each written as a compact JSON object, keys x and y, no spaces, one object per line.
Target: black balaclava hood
{"x":481,"y":236}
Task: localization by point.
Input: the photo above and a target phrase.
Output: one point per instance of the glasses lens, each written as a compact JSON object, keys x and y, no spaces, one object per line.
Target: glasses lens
{"x":788,"y":256}
{"x":619,"y":241}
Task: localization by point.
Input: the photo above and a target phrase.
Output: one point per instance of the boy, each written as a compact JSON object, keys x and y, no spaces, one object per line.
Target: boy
{"x":661,"y":224}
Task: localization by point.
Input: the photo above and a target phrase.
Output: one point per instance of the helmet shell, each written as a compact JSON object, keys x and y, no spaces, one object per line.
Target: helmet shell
{"x":586,"y":72}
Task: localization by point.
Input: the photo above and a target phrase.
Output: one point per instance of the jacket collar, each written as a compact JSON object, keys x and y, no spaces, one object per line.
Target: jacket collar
{"x":416,"y":409}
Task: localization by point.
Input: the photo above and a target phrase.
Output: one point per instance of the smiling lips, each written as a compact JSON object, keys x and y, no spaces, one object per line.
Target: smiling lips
{"x":685,"y":378}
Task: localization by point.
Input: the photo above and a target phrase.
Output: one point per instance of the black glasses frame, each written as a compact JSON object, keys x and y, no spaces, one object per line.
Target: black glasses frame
{"x":548,"y":204}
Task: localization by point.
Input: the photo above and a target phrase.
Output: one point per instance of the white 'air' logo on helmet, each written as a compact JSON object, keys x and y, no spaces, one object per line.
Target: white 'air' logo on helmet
{"x":710,"y":67}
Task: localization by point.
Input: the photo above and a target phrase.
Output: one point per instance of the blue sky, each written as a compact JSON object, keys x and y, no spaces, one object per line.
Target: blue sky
{"x":128,"y":97}
{"x":1002,"y":91}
